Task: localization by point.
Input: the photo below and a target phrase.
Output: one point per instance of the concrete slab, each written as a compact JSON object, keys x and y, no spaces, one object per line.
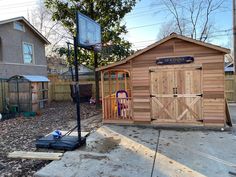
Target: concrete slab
{"x":208,"y":153}
{"x":106,"y":154}
{"x":128,"y":151}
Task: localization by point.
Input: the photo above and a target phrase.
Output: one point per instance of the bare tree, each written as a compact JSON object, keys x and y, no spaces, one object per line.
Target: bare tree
{"x":192,"y":17}
{"x":41,"y":19}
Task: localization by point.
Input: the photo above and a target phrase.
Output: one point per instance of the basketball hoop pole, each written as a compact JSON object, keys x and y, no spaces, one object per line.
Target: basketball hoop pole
{"x":80,"y":140}
{"x":67,"y":142}
{"x":70,"y":67}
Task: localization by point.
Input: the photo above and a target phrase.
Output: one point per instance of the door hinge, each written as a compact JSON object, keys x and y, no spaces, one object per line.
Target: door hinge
{"x":200,"y":68}
{"x":201,"y":95}
{"x":151,"y":96}
{"x":150,"y":71}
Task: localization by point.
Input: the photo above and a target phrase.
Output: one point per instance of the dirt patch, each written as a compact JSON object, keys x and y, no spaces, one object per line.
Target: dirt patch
{"x":105,"y":145}
{"x":20,"y":134}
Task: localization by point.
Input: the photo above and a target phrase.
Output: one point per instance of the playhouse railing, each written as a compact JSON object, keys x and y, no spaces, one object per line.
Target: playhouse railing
{"x":117,"y":108}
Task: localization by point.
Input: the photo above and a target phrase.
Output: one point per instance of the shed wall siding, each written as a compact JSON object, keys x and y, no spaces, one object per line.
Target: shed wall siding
{"x":212,"y":79}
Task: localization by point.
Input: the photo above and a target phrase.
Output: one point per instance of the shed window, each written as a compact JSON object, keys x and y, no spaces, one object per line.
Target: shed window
{"x":19,"y":26}
{"x":28,"y":53}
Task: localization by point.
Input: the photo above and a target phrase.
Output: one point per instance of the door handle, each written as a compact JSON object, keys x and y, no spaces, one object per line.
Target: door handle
{"x":175,"y":90}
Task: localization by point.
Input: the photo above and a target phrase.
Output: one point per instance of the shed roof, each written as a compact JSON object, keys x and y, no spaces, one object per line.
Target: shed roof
{"x":171,"y":36}
{"x":28,"y":23}
{"x":32,"y":78}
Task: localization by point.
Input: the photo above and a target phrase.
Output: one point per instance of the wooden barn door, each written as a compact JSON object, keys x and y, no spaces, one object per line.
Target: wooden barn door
{"x":176,"y":95}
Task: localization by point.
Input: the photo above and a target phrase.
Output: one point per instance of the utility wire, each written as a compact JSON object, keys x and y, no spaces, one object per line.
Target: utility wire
{"x":142,"y":26}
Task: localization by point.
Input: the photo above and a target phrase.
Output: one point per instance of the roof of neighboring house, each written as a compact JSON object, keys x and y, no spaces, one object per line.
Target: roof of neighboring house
{"x":32,"y":78}
{"x":171,"y":36}
{"x":229,"y":67}
{"x":27,"y":23}
{"x":80,"y":68}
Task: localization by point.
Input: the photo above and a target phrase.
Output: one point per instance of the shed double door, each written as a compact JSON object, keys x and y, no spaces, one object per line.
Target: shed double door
{"x":176,"y":95}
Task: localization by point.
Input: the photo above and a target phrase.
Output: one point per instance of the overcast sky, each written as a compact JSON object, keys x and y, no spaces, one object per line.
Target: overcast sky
{"x":143,"y":23}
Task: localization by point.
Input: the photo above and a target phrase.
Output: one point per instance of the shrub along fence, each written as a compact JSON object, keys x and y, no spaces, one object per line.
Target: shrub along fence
{"x":4,"y":101}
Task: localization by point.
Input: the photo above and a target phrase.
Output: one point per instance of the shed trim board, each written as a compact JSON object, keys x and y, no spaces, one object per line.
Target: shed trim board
{"x":175,"y":93}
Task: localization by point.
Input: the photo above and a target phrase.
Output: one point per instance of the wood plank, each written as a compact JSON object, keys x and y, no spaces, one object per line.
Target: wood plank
{"x":144,"y":110}
{"x":217,"y":101}
{"x":141,"y":106}
{"x":138,"y":87}
{"x":213,"y":71}
{"x":35,"y":155}
{"x":141,"y":94}
{"x":147,"y":100}
{"x":221,"y":78}
{"x":212,"y":94}
{"x":222,"y":121}
{"x":213,"y":82}
{"x":214,"y":115}
{"x":213,"y":66}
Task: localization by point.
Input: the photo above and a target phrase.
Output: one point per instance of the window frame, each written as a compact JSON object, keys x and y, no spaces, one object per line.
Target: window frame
{"x":23,"y":53}
{"x":17,"y":22}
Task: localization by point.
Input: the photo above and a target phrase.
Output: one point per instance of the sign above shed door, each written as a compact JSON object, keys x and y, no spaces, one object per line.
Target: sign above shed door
{"x":175,"y":60}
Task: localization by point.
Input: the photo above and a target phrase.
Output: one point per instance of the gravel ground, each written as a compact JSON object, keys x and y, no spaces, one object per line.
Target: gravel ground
{"x":20,"y":134}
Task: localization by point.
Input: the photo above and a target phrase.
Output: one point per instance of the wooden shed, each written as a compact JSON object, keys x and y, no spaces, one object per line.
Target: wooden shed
{"x":177,"y":80}
{"x":28,"y":93}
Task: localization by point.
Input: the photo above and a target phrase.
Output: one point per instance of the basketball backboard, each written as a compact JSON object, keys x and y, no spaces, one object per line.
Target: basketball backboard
{"x":89,"y":31}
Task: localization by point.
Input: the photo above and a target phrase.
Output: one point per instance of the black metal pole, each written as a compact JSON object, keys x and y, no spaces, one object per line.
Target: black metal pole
{"x":70,"y":68}
{"x":96,"y":76}
{"x":77,"y":78}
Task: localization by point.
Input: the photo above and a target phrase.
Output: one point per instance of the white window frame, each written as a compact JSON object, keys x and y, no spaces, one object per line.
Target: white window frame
{"x":14,"y":24}
{"x":23,"y":54}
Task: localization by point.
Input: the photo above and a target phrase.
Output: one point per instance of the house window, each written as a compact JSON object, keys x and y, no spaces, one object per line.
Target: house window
{"x":19,"y":26}
{"x":28,"y":53}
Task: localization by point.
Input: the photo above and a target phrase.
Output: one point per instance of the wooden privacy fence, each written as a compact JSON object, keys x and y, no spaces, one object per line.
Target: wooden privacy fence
{"x":230,"y":88}
{"x":61,"y":91}
{"x":3,"y":95}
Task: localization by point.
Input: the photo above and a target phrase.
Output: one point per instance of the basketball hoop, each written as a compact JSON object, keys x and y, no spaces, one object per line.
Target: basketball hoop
{"x":89,"y":32}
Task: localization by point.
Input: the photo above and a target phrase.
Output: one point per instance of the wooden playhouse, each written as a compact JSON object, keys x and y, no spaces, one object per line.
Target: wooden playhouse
{"x":177,"y":80}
